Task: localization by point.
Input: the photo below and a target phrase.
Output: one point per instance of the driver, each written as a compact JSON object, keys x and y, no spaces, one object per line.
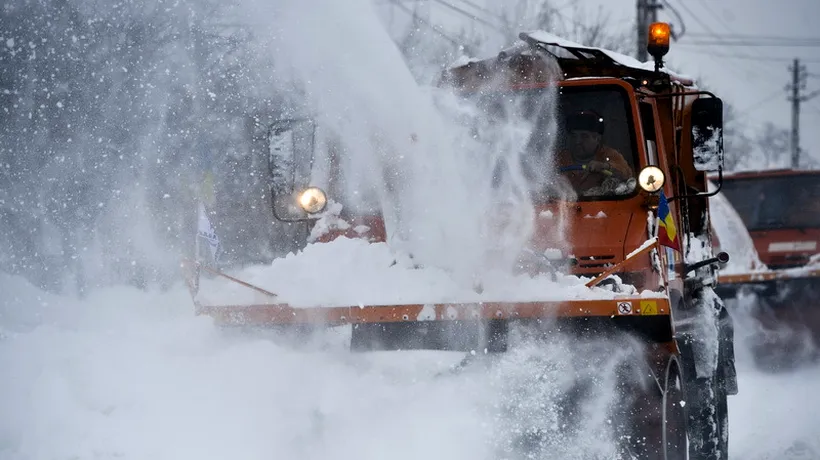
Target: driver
{"x":588,"y":162}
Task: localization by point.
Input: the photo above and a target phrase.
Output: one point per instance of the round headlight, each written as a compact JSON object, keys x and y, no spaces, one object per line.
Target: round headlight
{"x":312,"y":200}
{"x":651,"y":178}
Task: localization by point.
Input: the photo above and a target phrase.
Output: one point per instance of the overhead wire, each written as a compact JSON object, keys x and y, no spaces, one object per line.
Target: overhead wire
{"x":743,"y":112}
{"x":752,"y":44}
{"x":712,"y":33}
{"x":765,"y":58}
{"x":426,"y":23}
{"x":734,"y":36}
{"x":682,"y":32}
{"x":470,"y":16}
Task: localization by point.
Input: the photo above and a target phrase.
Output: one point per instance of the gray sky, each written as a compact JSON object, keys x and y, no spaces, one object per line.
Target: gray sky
{"x":750,"y":77}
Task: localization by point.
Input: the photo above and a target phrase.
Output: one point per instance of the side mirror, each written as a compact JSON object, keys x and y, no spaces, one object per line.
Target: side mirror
{"x":707,"y":134}
{"x":290,"y":160}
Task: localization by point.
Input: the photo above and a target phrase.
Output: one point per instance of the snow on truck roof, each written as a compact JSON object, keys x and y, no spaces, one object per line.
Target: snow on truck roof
{"x":551,"y":40}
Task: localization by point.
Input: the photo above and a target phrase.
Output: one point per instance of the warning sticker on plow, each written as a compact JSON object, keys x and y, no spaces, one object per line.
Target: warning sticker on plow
{"x":624,"y":308}
{"x":649,"y":307}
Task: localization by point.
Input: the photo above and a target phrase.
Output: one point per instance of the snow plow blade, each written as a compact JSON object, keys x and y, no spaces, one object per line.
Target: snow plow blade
{"x":466,"y":326}
{"x":457,"y":326}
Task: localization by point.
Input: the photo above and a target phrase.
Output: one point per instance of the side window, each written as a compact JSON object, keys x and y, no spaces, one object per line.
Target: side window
{"x":648,"y":124}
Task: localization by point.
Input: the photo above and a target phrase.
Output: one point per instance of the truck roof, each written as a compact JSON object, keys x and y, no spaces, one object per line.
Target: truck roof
{"x":576,"y":61}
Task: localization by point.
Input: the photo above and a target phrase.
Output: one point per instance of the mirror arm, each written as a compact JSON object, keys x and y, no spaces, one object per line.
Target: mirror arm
{"x":719,"y":184}
{"x":676,"y":167}
{"x":679,"y":170}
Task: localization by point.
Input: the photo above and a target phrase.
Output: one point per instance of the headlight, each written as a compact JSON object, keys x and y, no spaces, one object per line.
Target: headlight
{"x":651,"y":178}
{"x":313,"y":200}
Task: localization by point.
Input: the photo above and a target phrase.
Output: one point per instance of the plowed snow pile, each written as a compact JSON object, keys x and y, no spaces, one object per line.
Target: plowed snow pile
{"x":345,"y":272}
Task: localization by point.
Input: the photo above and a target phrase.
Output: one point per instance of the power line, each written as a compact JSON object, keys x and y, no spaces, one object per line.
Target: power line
{"x":676,"y":34}
{"x":470,"y":16}
{"x":752,"y":44}
{"x":713,"y":34}
{"x":734,"y":36}
{"x":760,"y":103}
{"x":753,"y":58}
{"x":482,"y":9}
{"x":426,"y":23}
{"x":711,"y":11}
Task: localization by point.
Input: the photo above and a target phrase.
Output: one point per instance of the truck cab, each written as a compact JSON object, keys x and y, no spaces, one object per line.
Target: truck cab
{"x":585,"y":221}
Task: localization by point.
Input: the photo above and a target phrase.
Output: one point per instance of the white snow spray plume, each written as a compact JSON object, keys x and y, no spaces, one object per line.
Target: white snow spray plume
{"x":128,"y":374}
{"x":107,"y":377}
{"x":432,"y":175}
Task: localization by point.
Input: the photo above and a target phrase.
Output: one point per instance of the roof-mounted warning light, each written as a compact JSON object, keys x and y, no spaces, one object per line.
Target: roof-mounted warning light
{"x":658,"y":42}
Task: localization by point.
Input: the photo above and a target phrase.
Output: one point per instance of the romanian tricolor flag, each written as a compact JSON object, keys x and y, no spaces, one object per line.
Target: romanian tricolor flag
{"x":667,"y":233}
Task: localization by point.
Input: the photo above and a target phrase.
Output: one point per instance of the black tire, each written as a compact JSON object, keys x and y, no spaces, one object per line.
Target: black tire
{"x":706,"y":416}
{"x":675,"y":432}
{"x":706,"y":397}
{"x":656,"y":425}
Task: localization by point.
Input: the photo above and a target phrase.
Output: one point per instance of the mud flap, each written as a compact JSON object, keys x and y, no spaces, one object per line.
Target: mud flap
{"x":726,"y":351}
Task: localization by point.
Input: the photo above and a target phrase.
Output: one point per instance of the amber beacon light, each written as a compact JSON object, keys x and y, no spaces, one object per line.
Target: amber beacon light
{"x":658,"y":43}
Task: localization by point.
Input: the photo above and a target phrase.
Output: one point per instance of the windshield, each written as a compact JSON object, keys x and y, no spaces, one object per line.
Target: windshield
{"x":589,"y":143}
{"x":776,"y":202}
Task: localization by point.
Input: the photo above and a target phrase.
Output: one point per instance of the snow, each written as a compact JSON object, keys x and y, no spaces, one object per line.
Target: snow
{"x":133,"y":374}
{"x":328,"y":221}
{"x":734,"y":238}
{"x":396,"y":132}
{"x":353,"y":271}
{"x":705,"y":155}
{"x":622,"y":59}
{"x":643,"y":246}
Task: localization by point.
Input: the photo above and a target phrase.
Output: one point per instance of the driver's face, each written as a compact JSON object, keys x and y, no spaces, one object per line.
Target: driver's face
{"x":584,"y":144}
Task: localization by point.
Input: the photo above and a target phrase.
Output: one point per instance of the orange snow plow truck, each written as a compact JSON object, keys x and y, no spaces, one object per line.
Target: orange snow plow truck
{"x":638,"y":231}
{"x":779,"y":210}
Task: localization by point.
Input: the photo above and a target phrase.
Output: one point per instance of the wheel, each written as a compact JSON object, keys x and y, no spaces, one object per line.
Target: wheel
{"x":706,"y":397}
{"x":706,"y":412}
{"x":675,"y":438}
{"x":655,"y":426}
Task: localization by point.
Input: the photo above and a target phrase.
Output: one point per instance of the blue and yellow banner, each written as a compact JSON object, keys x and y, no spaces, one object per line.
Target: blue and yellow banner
{"x":667,"y":232}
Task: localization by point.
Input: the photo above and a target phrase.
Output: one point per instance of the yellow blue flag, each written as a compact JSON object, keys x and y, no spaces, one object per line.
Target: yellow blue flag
{"x":667,"y":233}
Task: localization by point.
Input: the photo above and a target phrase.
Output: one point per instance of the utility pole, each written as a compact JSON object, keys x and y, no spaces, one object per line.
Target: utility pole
{"x":796,"y":88}
{"x":647,"y":11}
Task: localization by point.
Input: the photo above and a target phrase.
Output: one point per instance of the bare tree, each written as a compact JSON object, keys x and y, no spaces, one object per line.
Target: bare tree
{"x":773,"y":143}
{"x":738,"y":145}
{"x":594,"y":29}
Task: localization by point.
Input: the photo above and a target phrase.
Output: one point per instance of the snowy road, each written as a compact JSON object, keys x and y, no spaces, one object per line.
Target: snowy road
{"x":131,"y":375}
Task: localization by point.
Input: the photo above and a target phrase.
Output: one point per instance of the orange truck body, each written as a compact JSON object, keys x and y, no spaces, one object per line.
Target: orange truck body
{"x":651,"y":115}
